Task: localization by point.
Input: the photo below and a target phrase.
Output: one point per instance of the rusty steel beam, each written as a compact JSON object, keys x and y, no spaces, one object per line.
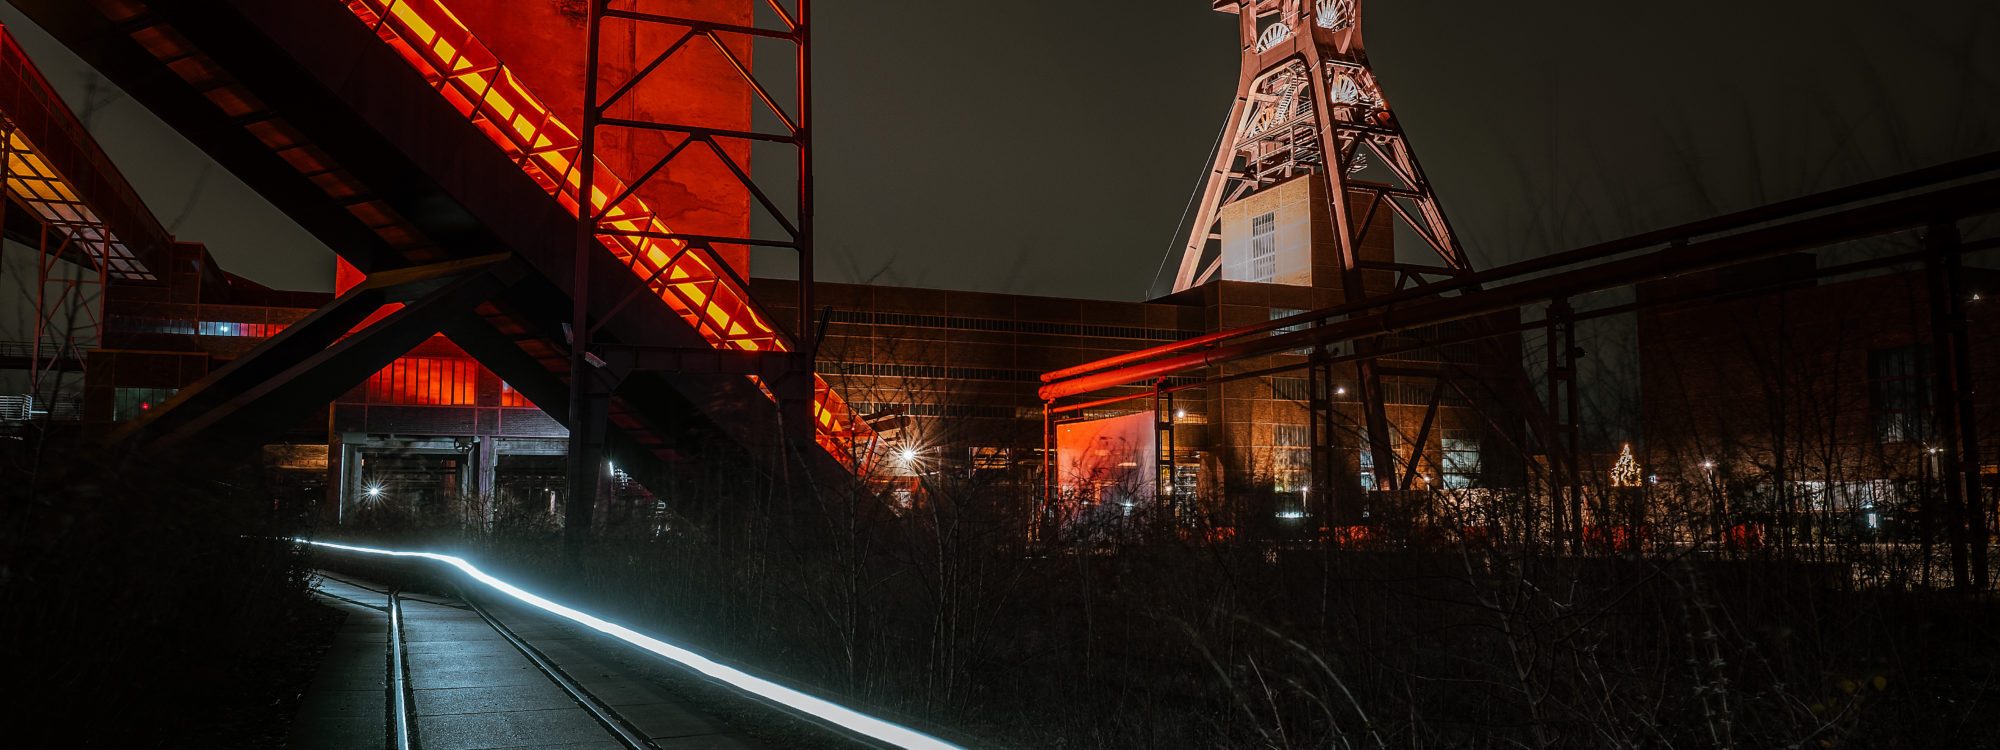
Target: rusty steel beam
{"x":313,"y":361}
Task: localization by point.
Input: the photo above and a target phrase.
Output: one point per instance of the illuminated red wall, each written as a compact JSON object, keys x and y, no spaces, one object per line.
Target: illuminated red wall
{"x":542,"y":41}
{"x":1113,"y":455}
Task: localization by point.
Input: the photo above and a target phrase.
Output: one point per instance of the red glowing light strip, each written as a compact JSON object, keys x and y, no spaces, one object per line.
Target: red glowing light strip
{"x":481,"y":88}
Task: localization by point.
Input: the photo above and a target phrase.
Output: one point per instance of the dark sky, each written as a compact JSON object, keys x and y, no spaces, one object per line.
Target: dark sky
{"x":1050,"y":146}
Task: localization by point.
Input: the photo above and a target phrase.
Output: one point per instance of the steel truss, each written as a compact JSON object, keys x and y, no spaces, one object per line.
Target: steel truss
{"x":809,"y":409}
{"x":91,"y":230}
{"x":1307,"y":103}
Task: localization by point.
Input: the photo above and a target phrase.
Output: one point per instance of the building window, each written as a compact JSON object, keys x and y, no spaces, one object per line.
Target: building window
{"x":988,"y":460}
{"x":1187,"y":482}
{"x":511,"y":397}
{"x":426,"y":381}
{"x":1460,"y":454}
{"x":240,"y":330}
{"x":1291,"y":467}
{"x":1286,"y":312}
{"x":1367,"y":454}
{"x":130,"y":403}
{"x":1900,"y":393}
{"x":1293,"y":389}
{"x":1398,"y":452}
{"x":1264,"y":247}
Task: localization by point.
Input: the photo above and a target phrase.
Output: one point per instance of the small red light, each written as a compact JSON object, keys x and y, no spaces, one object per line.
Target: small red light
{"x":145,"y":406}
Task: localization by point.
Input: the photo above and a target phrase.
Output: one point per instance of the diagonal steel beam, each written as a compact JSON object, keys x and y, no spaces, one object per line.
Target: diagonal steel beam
{"x":313,"y":361}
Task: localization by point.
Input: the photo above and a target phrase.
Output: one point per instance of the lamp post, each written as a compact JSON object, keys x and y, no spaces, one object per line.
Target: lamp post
{"x":1718,"y":513}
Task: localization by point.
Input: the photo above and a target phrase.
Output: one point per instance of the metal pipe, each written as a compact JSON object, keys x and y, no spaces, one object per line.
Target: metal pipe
{"x":1928,"y":176}
{"x":583,"y":470}
{"x":1881,"y":218}
{"x":1522,"y":327}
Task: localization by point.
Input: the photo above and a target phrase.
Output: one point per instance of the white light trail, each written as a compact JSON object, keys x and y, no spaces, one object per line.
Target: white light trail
{"x":841,"y":716}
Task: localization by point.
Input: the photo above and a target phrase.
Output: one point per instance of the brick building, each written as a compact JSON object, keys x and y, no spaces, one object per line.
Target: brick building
{"x":1821,"y":390}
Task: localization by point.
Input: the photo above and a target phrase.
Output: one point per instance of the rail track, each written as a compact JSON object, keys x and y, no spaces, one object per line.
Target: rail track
{"x":401,"y":712}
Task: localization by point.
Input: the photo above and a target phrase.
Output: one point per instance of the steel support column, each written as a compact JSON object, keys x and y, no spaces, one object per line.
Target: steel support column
{"x":587,"y":408}
{"x":1163,"y":449}
{"x":1320,"y":433}
{"x":1049,"y":468}
{"x":1951,"y":372}
{"x":1565,"y":475}
{"x":796,"y":389}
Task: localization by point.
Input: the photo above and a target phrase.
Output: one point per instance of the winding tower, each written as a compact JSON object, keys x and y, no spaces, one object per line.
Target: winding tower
{"x":1310,"y":122}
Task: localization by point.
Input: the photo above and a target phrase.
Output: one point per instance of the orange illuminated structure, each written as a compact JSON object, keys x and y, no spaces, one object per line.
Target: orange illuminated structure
{"x":689,"y":277}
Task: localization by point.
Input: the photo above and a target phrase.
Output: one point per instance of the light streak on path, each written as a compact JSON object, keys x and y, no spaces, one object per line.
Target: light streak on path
{"x":819,"y":708}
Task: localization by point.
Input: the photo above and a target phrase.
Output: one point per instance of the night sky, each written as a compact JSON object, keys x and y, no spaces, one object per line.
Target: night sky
{"x":1050,"y":147}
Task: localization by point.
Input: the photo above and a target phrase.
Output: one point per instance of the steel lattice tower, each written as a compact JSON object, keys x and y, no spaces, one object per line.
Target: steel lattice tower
{"x":1307,"y":103}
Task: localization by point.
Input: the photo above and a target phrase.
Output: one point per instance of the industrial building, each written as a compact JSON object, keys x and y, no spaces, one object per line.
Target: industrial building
{"x":916,"y":381}
{"x":1795,"y":406}
{"x":1327,"y":359}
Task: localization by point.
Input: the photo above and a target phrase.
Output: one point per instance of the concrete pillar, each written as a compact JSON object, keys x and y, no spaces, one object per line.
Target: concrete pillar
{"x":350,"y":473}
{"x":336,"y":487}
{"x":486,"y":457}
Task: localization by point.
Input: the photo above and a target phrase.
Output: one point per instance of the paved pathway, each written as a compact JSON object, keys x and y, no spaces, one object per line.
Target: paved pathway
{"x":473,"y":690}
{"x":347,"y":704}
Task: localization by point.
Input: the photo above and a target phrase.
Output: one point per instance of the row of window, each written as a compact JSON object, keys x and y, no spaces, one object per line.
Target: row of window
{"x":131,"y":403}
{"x":1404,"y":394}
{"x":1900,"y":393}
{"x":223,"y":328}
{"x":951,"y":410}
{"x":425,"y":381}
{"x":865,"y":317}
{"x":1458,"y":458}
{"x":891,"y":370}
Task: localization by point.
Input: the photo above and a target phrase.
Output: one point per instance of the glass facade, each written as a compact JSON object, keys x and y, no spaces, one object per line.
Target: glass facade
{"x":130,"y":403}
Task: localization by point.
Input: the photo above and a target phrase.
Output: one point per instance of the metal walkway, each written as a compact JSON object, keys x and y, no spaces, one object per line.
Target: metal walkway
{"x":341,"y":116}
